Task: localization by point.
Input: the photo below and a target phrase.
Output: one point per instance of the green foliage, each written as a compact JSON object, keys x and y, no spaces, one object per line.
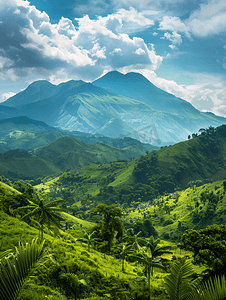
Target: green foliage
{"x":47,"y":212}
{"x":15,"y":268}
{"x":212,"y":289}
{"x":111,"y":226}
{"x":177,"y":282}
{"x":151,"y":258}
{"x":208,"y":246}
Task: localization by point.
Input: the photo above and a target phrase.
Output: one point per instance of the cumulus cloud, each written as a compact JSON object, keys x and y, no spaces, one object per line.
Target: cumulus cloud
{"x":207,"y":92}
{"x":175,"y":38}
{"x":32,"y":43}
{"x":173,"y":24}
{"x":208,"y":19}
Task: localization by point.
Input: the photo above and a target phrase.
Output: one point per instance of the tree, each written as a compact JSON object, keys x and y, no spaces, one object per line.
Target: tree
{"x":46,"y":211}
{"x":156,"y":250}
{"x":149,"y":262}
{"x":15,"y":268}
{"x":136,"y":241}
{"x":208,"y":246}
{"x":151,"y":258}
{"x":111,"y":226}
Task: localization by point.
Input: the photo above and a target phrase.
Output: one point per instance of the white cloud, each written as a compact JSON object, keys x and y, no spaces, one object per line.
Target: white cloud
{"x":173,"y":24}
{"x":85,"y":51}
{"x":175,"y":38}
{"x":208,"y":19}
{"x":116,"y":51}
{"x":6,"y":96}
{"x":208,"y":93}
{"x":140,"y":51}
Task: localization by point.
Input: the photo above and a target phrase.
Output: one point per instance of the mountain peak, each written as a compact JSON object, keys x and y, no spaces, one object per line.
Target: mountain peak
{"x":36,"y":91}
{"x":117,"y":76}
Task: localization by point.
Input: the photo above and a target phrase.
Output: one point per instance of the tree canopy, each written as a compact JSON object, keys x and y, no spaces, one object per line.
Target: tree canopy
{"x":208,"y":246}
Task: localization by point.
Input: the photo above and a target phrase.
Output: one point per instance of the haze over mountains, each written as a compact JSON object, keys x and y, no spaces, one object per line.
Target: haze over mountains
{"x":114,"y":105}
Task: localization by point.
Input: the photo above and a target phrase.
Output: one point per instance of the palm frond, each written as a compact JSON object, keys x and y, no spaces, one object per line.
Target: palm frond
{"x":212,"y":289}
{"x":177,"y":283}
{"x":5,"y":254}
{"x":31,"y":213}
{"x":16,"y":268}
{"x":55,"y":203}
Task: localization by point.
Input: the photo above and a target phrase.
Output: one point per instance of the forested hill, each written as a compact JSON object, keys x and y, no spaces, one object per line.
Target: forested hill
{"x":202,"y":158}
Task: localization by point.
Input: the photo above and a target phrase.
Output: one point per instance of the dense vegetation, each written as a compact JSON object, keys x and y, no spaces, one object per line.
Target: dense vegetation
{"x":110,"y":231}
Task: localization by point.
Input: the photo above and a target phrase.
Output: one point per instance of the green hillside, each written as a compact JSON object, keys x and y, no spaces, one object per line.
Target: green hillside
{"x":101,"y":272}
{"x":24,"y":165}
{"x":143,"y":179}
{"x":193,"y":208}
{"x":62,"y":154}
{"x":70,"y":153}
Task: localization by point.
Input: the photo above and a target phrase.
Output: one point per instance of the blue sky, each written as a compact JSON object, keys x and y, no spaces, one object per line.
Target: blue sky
{"x":179,"y":45}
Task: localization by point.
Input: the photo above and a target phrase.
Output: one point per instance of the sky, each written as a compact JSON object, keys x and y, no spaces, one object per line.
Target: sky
{"x":179,"y":45}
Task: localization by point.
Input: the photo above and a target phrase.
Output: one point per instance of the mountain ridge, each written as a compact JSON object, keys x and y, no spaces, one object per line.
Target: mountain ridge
{"x":90,"y":108}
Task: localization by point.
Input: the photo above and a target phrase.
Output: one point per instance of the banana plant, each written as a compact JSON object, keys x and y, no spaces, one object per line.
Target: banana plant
{"x":16,"y":267}
{"x":89,"y":239}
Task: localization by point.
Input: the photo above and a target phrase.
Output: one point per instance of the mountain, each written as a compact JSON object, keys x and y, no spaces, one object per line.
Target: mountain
{"x":148,"y":114}
{"x":136,"y":86}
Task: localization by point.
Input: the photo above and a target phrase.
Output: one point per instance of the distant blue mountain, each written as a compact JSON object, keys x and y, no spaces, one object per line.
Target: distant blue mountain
{"x":115,"y":105}
{"x":136,"y":86}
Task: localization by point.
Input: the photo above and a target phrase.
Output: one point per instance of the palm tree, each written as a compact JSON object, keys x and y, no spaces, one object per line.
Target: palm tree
{"x":156,"y":250}
{"x":136,"y":241}
{"x":46,"y":211}
{"x":14,"y":268}
{"x":149,"y":262}
{"x":151,"y":258}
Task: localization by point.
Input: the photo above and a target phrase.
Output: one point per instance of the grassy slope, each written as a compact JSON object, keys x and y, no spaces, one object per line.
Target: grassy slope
{"x":196,"y":159}
{"x":183,"y":210}
{"x":26,"y":167}
{"x":69,"y":153}
{"x":8,"y":189}
{"x":67,"y":251}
